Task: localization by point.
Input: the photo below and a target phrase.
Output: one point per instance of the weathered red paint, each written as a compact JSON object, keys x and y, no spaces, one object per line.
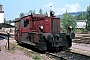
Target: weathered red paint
{"x":36,"y":38}
{"x":47,"y":25}
{"x":32,"y":30}
{"x":35,"y":21}
{"x":25,"y":29}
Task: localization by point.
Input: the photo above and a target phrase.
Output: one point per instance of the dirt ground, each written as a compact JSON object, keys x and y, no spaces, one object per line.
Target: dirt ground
{"x":16,"y":54}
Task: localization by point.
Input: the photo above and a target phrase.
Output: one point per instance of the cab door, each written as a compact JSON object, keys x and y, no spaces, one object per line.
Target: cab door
{"x":25,"y":28}
{"x":17,"y":31}
{"x":25,"y":25}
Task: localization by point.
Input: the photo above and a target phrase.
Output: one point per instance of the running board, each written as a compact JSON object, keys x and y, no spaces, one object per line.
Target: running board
{"x":28,"y":43}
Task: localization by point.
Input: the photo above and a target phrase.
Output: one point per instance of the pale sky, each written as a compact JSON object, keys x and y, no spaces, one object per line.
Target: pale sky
{"x":13,"y":8}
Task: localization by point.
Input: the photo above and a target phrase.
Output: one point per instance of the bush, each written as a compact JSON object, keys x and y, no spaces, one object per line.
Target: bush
{"x":81,"y":30}
{"x":84,"y":31}
{"x":36,"y":57}
{"x":78,"y":31}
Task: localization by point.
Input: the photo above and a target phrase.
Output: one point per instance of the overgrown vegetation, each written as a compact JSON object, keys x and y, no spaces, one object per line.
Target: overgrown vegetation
{"x":88,"y":18}
{"x":36,"y":57}
{"x":20,"y":48}
{"x":81,"y":30}
{"x":82,"y":16}
{"x":68,"y":20}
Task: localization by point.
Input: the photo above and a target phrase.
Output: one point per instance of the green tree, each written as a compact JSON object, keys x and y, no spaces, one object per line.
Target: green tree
{"x":82,"y":16}
{"x":88,"y":18}
{"x":46,"y":13}
{"x":68,"y":20}
{"x":30,"y":12}
{"x":21,"y":15}
{"x":40,"y":11}
{"x":5,"y":21}
{"x":10,"y":21}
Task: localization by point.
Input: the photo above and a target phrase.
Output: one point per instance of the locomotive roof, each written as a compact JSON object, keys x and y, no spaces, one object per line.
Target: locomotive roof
{"x":33,"y":16}
{"x":38,"y":15}
{"x":17,"y":19}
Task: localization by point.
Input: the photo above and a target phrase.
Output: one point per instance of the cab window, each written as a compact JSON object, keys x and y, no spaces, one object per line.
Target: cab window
{"x":25,"y":23}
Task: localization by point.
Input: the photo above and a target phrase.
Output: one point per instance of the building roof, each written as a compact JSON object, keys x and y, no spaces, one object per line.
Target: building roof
{"x":17,"y":19}
{"x":81,"y":20}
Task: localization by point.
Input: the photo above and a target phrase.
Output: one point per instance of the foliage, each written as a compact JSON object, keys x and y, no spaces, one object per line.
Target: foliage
{"x":83,"y":30}
{"x":68,"y":20}
{"x":21,"y":15}
{"x":36,"y":57}
{"x":30,"y":12}
{"x":46,"y":13}
{"x":5,"y":21}
{"x":78,"y":31}
{"x":8,"y":21}
{"x":82,"y":16}
{"x":40,"y":11}
{"x":88,"y":18}
{"x":20,"y":48}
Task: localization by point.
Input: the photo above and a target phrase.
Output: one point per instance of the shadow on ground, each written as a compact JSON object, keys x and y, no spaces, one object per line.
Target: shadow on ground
{"x":33,"y":48}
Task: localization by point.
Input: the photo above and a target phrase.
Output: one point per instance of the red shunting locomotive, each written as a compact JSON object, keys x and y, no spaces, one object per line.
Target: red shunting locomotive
{"x":42,"y":32}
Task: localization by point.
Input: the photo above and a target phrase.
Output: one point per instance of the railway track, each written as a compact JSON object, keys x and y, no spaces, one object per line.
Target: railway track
{"x":82,"y":38}
{"x":62,"y":55}
{"x":67,"y":55}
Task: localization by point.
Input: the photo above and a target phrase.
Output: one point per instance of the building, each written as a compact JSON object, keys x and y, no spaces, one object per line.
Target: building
{"x":81,"y":24}
{"x":1,"y":15}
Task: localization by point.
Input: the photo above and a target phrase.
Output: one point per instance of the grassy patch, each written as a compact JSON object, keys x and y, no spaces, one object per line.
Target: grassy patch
{"x":36,"y":57}
{"x":20,"y":48}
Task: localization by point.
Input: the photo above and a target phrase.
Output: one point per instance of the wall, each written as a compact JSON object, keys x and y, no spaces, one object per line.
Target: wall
{"x":81,"y":24}
{"x":1,"y":17}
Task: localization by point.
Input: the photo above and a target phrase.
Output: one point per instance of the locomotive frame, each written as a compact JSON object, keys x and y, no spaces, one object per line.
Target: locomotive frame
{"x":42,"y":32}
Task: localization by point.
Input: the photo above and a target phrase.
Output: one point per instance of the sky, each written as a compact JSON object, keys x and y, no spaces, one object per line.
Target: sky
{"x":12,"y":8}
